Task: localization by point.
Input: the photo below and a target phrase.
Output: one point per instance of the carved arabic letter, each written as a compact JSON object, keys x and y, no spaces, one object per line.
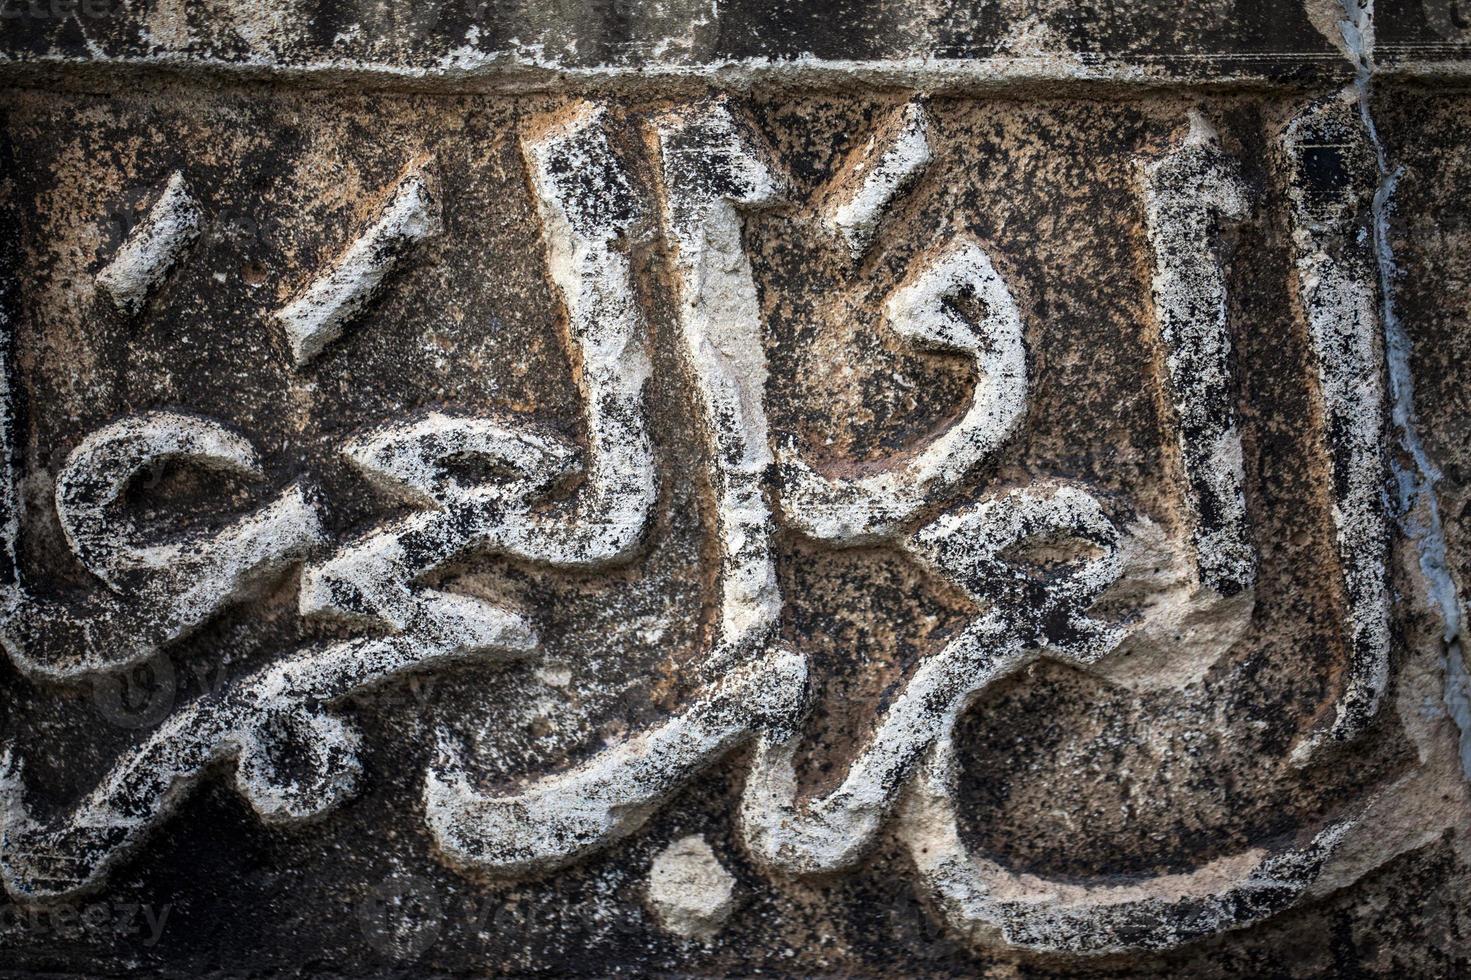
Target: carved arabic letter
{"x":889,"y":165}
{"x":1185,"y":192}
{"x":153,"y":247}
{"x":866,"y":509}
{"x":1331,"y":177}
{"x":160,"y":591}
{"x":294,"y":759}
{"x":987,"y":905}
{"x":1026,"y":616}
{"x":323,"y":308}
{"x":554,"y":821}
{"x":711,"y":171}
{"x":371,"y":578}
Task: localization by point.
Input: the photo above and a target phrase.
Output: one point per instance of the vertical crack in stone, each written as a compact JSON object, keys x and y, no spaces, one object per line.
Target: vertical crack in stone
{"x":1419,"y":505}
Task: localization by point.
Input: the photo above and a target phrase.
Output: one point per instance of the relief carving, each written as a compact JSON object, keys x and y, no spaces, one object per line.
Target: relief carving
{"x":1053,"y":570}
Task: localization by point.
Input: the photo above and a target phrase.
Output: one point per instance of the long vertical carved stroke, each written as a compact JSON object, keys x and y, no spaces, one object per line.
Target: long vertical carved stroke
{"x":1185,"y":193}
{"x":161,"y":591}
{"x":712,"y":171}
{"x":324,"y":307}
{"x":862,"y":510}
{"x":589,"y":212}
{"x":1331,"y":178}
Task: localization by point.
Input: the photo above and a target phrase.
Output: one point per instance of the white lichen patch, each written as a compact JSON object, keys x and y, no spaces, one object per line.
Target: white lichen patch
{"x":154,"y":245}
{"x":890,"y":164}
{"x":690,"y":892}
{"x":322,"y":310}
{"x":1185,"y":193}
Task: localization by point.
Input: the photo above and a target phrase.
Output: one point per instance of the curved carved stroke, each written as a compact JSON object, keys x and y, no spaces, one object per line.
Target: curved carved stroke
{"x":160,"y":591}
{"x":976,"y":897}
{"x":1330,"y":161}
{"x":374,"y":580}
{"x":927,"y":311}
{"x":989,"y":906}
{"x":554,"y":821}
{"x":588,"y":210}
{"x":293,"y":758}
{"x":1027,"y":614}
{"x":1185,"y":191}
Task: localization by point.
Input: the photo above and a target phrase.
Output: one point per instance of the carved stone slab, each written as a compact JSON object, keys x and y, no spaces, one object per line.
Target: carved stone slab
{"x":770,"y":489}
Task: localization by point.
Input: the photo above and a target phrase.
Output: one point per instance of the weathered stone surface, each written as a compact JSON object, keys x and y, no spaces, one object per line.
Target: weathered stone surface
{"x":784,"y":488}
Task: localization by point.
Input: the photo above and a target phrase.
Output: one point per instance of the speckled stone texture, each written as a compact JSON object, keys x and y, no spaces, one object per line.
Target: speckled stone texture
{"x":735,"y":488}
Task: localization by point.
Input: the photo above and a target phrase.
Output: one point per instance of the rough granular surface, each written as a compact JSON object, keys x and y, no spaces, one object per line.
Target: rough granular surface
{"x":730,"y":489}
